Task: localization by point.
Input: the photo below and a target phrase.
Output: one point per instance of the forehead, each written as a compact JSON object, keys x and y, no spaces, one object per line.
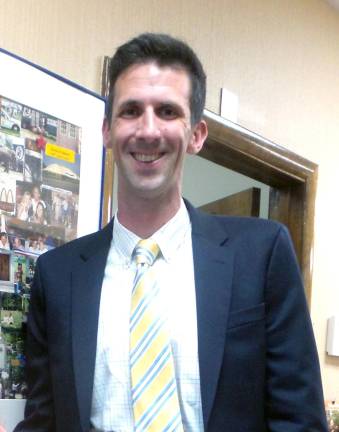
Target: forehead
{"x":150,"y":79}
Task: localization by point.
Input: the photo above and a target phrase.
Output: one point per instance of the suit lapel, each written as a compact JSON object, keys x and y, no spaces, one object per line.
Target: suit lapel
{"x":213,"y":267}
{"x":87,"y":279}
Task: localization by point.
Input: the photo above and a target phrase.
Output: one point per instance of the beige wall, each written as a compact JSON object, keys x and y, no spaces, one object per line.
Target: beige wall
{"x":280,"y":57}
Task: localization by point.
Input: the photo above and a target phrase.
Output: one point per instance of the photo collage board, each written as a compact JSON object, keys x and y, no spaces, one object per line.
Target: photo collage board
{"x":40,"y":159}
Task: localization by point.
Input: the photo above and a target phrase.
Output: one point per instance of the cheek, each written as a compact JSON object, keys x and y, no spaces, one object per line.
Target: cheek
{"x":122,"y":135}
{"x":177,"y":137}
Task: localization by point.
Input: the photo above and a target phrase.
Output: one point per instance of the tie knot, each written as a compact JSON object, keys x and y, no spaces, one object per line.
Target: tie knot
{"x":145,"y":252}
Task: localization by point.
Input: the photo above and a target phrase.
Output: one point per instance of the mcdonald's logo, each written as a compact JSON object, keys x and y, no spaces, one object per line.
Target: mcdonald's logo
{"x":7,"y":203}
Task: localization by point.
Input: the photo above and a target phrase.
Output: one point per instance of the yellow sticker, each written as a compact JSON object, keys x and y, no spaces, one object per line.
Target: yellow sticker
{"x":60,"y":152}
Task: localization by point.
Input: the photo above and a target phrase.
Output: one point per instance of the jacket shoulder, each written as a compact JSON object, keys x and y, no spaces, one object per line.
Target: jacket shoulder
{"x":250,"y":223}
{"x":232,"y":225}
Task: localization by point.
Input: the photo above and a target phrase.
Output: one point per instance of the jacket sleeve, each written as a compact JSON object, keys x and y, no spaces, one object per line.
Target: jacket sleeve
{"x":39,"y":411}
{"x":294,"y":401}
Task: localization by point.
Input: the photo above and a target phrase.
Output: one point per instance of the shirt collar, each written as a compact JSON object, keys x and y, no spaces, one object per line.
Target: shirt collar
{"x":169,"y":237}
{"x":124,"y":240}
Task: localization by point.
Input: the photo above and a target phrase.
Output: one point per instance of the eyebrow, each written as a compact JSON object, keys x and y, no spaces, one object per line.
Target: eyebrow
{"x":140,"y":102}
{"x":130,"y":102}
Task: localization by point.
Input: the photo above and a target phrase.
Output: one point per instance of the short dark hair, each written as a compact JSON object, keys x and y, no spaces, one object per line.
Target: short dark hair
{"x":164,"y":50}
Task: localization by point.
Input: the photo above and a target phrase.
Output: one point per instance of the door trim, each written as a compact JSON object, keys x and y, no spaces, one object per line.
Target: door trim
{"x":292,"y":178}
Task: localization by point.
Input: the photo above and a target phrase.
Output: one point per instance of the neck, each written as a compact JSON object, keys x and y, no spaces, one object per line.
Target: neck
{"x":145,"y":216}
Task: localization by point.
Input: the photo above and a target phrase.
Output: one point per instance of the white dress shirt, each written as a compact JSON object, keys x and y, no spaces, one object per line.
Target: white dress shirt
{"x":112,"y":403}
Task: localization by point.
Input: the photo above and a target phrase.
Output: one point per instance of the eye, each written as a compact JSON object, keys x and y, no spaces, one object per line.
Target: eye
{"x":129,"y":112}
{"x":167,"y":112}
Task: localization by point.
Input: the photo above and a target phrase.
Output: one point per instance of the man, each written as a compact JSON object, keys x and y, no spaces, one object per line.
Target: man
{"x":17,"y":244}
{"x":242,"y":351}
{"x":4,"y":243}
{"x":35,"y":200}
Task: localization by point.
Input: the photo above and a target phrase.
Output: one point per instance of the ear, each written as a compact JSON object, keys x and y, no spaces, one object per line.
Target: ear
{"x":106,"y":133}
{"x":199,"y":135}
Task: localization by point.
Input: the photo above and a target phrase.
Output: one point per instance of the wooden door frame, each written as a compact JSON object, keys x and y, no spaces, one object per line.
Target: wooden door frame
{"x":292,"y":179}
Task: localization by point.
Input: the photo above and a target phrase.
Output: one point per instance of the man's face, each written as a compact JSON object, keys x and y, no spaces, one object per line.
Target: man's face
{"x":151,"y":131}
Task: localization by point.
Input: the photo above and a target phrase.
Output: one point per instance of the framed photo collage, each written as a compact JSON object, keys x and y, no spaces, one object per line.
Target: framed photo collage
{"x":49,"y":135}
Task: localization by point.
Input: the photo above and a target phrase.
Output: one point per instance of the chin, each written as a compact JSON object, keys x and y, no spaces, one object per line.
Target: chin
{"x":153,"y":191}
{"x":150,"y":185}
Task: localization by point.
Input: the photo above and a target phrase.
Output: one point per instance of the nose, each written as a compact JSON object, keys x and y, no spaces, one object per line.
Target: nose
{"x":148,"y":127}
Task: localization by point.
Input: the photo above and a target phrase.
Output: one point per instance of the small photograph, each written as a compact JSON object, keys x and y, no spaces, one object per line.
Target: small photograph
{"x":4,"y":241}
{"x":3,"y":221}
{"x":69,"y":136}
{"x":25,"y":305}
{"x":32,"y":145}
{"x":39,"y":126}
{"x":17,"y":243}
{"x":36,"y":237}
{"x":62,"y":170}
{"x":10,"y":116}
{"x":31,"y":262}
{"x":12,"y":155}
{"x":33,"y":162}
{"x":10,"y":301}
{"x":19,"y":268}
{"x":40,"y":215}
{"x":32,"y":245}
{"x":62,"y":206}
{"x":7,"y":196}
{"x":23,"y":200}
{"x":7,"y":154}
{"x":37,"y":244}
{"x":11,"y":319}
{"x":13,"y":374}
{"x":30,"y":206}
{"x":5,"y":274}
{"x":36,"y":200}
{"x":42,"y":245}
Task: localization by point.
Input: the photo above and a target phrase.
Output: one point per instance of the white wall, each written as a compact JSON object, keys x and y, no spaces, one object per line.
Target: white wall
{"x":205,"y":181}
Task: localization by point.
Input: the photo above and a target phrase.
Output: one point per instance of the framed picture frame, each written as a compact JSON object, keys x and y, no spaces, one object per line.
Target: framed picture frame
{"x":51,"y":191}
{"x":107,"y":196}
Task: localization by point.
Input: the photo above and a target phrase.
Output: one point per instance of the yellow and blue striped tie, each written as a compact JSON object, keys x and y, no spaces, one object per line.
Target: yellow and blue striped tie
{"x":154,"y":390}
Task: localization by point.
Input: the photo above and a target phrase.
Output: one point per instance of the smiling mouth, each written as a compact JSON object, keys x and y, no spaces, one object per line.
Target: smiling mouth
{"x":148,"y":158}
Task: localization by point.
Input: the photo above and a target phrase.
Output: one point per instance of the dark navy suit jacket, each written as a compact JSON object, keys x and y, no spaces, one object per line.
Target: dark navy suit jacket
{"x":258,"y":362}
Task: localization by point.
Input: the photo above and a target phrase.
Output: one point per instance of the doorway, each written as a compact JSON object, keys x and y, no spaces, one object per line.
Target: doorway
{"x":291,"y":180}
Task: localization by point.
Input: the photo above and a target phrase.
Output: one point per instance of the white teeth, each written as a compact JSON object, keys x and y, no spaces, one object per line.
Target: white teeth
{"x":146,"y":157}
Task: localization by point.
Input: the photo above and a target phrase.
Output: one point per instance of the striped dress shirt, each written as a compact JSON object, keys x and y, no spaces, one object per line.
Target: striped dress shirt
{"x":111,"y":403}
